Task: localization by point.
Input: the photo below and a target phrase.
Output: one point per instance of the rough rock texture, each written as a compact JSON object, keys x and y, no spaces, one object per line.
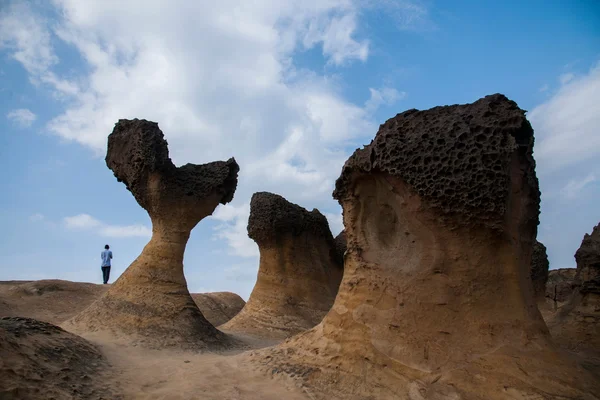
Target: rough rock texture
{"x":561,"y":283}
{"x":539,"y":271}
{"x":218,"y":307}
{"x":41,"y":361}
{"x":576,"y":325}
{"x":436,"y":302}
{"x":48,"y":300}
{"x":298,"y":276}
{"x":150,"y":304}
{"x":340,"y":246}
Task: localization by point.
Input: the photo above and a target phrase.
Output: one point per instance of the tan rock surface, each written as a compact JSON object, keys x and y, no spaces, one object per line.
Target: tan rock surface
{"x":576,"y":325}
{"x":436,"y":302}
{"x":55,"y":300}
{"x":218,"y":307}
{"x":41,"y":361}
{"x":150,"y":304}
{"x":298,"y":276}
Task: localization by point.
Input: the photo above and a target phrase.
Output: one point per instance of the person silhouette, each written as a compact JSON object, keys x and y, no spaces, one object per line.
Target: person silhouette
{"x":106,"y":256}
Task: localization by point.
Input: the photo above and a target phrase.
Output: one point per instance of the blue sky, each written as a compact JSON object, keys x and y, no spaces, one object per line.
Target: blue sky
{"x":288,"y":88}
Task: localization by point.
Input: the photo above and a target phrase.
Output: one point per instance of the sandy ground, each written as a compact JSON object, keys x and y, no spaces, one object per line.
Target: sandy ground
{"x":139,"y":373}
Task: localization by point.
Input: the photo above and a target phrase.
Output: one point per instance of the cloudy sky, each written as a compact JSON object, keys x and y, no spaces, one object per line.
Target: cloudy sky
{"x":290,"y":89}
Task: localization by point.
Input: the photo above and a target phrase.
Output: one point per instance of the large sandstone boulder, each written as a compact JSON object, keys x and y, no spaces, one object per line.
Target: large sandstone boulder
{"x":576,"y":325}
{"x":41,"y":361}
{"x":298,"y":276}
{"x":150,"y":304}
{"x":441,"y":212}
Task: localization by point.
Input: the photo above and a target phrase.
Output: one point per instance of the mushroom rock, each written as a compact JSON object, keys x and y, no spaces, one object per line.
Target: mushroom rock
{"x":298,"y":276}
{"x":436,"y":302}
{"x":150,"y":304}
{"x":576,"y":325}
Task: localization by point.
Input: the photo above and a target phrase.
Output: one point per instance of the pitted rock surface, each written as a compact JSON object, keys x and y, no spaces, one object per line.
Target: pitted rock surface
{"x":539,"y":269}
{"x":137,"y":149}
{"x":457,"y":157}
{"x":272,"y":215}
{"x":561,"y":283}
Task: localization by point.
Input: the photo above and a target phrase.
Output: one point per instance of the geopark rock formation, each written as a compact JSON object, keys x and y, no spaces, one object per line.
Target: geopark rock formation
{"x":436,"y":302}
{"x":298,"y":276}
{"x":39,"y":360}
{"x":576,"y":325}
{"x":150,"y":304}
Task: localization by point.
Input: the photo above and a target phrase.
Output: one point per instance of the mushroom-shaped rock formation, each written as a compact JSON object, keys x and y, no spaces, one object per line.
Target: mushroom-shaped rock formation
{"x":576,"y":325}
{"x":539,"y":272}
{"x":298,"y":276}
{"x":150,"y":304}
{"x":436,"y":302}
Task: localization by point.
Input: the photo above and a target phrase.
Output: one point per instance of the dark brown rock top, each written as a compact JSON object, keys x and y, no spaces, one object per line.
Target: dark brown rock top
{"x":137,"y":151}
{"x":458,"y":158}
{"x":588,"y":262}
{"x":539,"y":269}
{"x":272,"y":215}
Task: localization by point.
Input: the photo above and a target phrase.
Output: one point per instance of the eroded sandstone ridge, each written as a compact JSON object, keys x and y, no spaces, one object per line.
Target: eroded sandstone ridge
{"x":436,"y":302}
{"x":539,"y":271}
{"x":340,"y":246}
{"x":219,"y":307}
{"x":298,"y":276}
{"x":150,"y":303}
{"x":576,"y":325}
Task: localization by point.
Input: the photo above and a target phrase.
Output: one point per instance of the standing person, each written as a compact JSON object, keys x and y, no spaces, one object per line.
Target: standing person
{"x":106,"y":256}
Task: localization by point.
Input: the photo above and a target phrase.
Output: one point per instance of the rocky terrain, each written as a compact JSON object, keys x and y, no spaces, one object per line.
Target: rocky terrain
{"x":299,"y":271}
{"x":576,"y":325}
{"x":55,"y":301}
{"x":436,"y":289}
{"x":437,"y":300}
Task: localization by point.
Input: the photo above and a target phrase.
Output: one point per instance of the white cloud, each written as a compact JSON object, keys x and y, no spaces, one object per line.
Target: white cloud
{"x":22,"y":117}
{"x":566,"y":125}
{"x":566,"y":78}
{"x":87,"y":222}
{"x":36,"y":217}
{"x":336,"y":223}
{"x":574,"y":187}
{"x":220,"y":79}
{"x":544,"y":88}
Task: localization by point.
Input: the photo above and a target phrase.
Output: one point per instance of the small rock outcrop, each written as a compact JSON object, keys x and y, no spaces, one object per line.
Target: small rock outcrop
{"x":39,"y":360}
{"x":298,"y":276}
{"x":340,"y":246}
{"x":561,"y":283}
{"x":576,"y":325}
{"x":150,"y":304}
{"x":539,"y":271}
{"x":219,"y":307}
{"x":441,"y":213}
